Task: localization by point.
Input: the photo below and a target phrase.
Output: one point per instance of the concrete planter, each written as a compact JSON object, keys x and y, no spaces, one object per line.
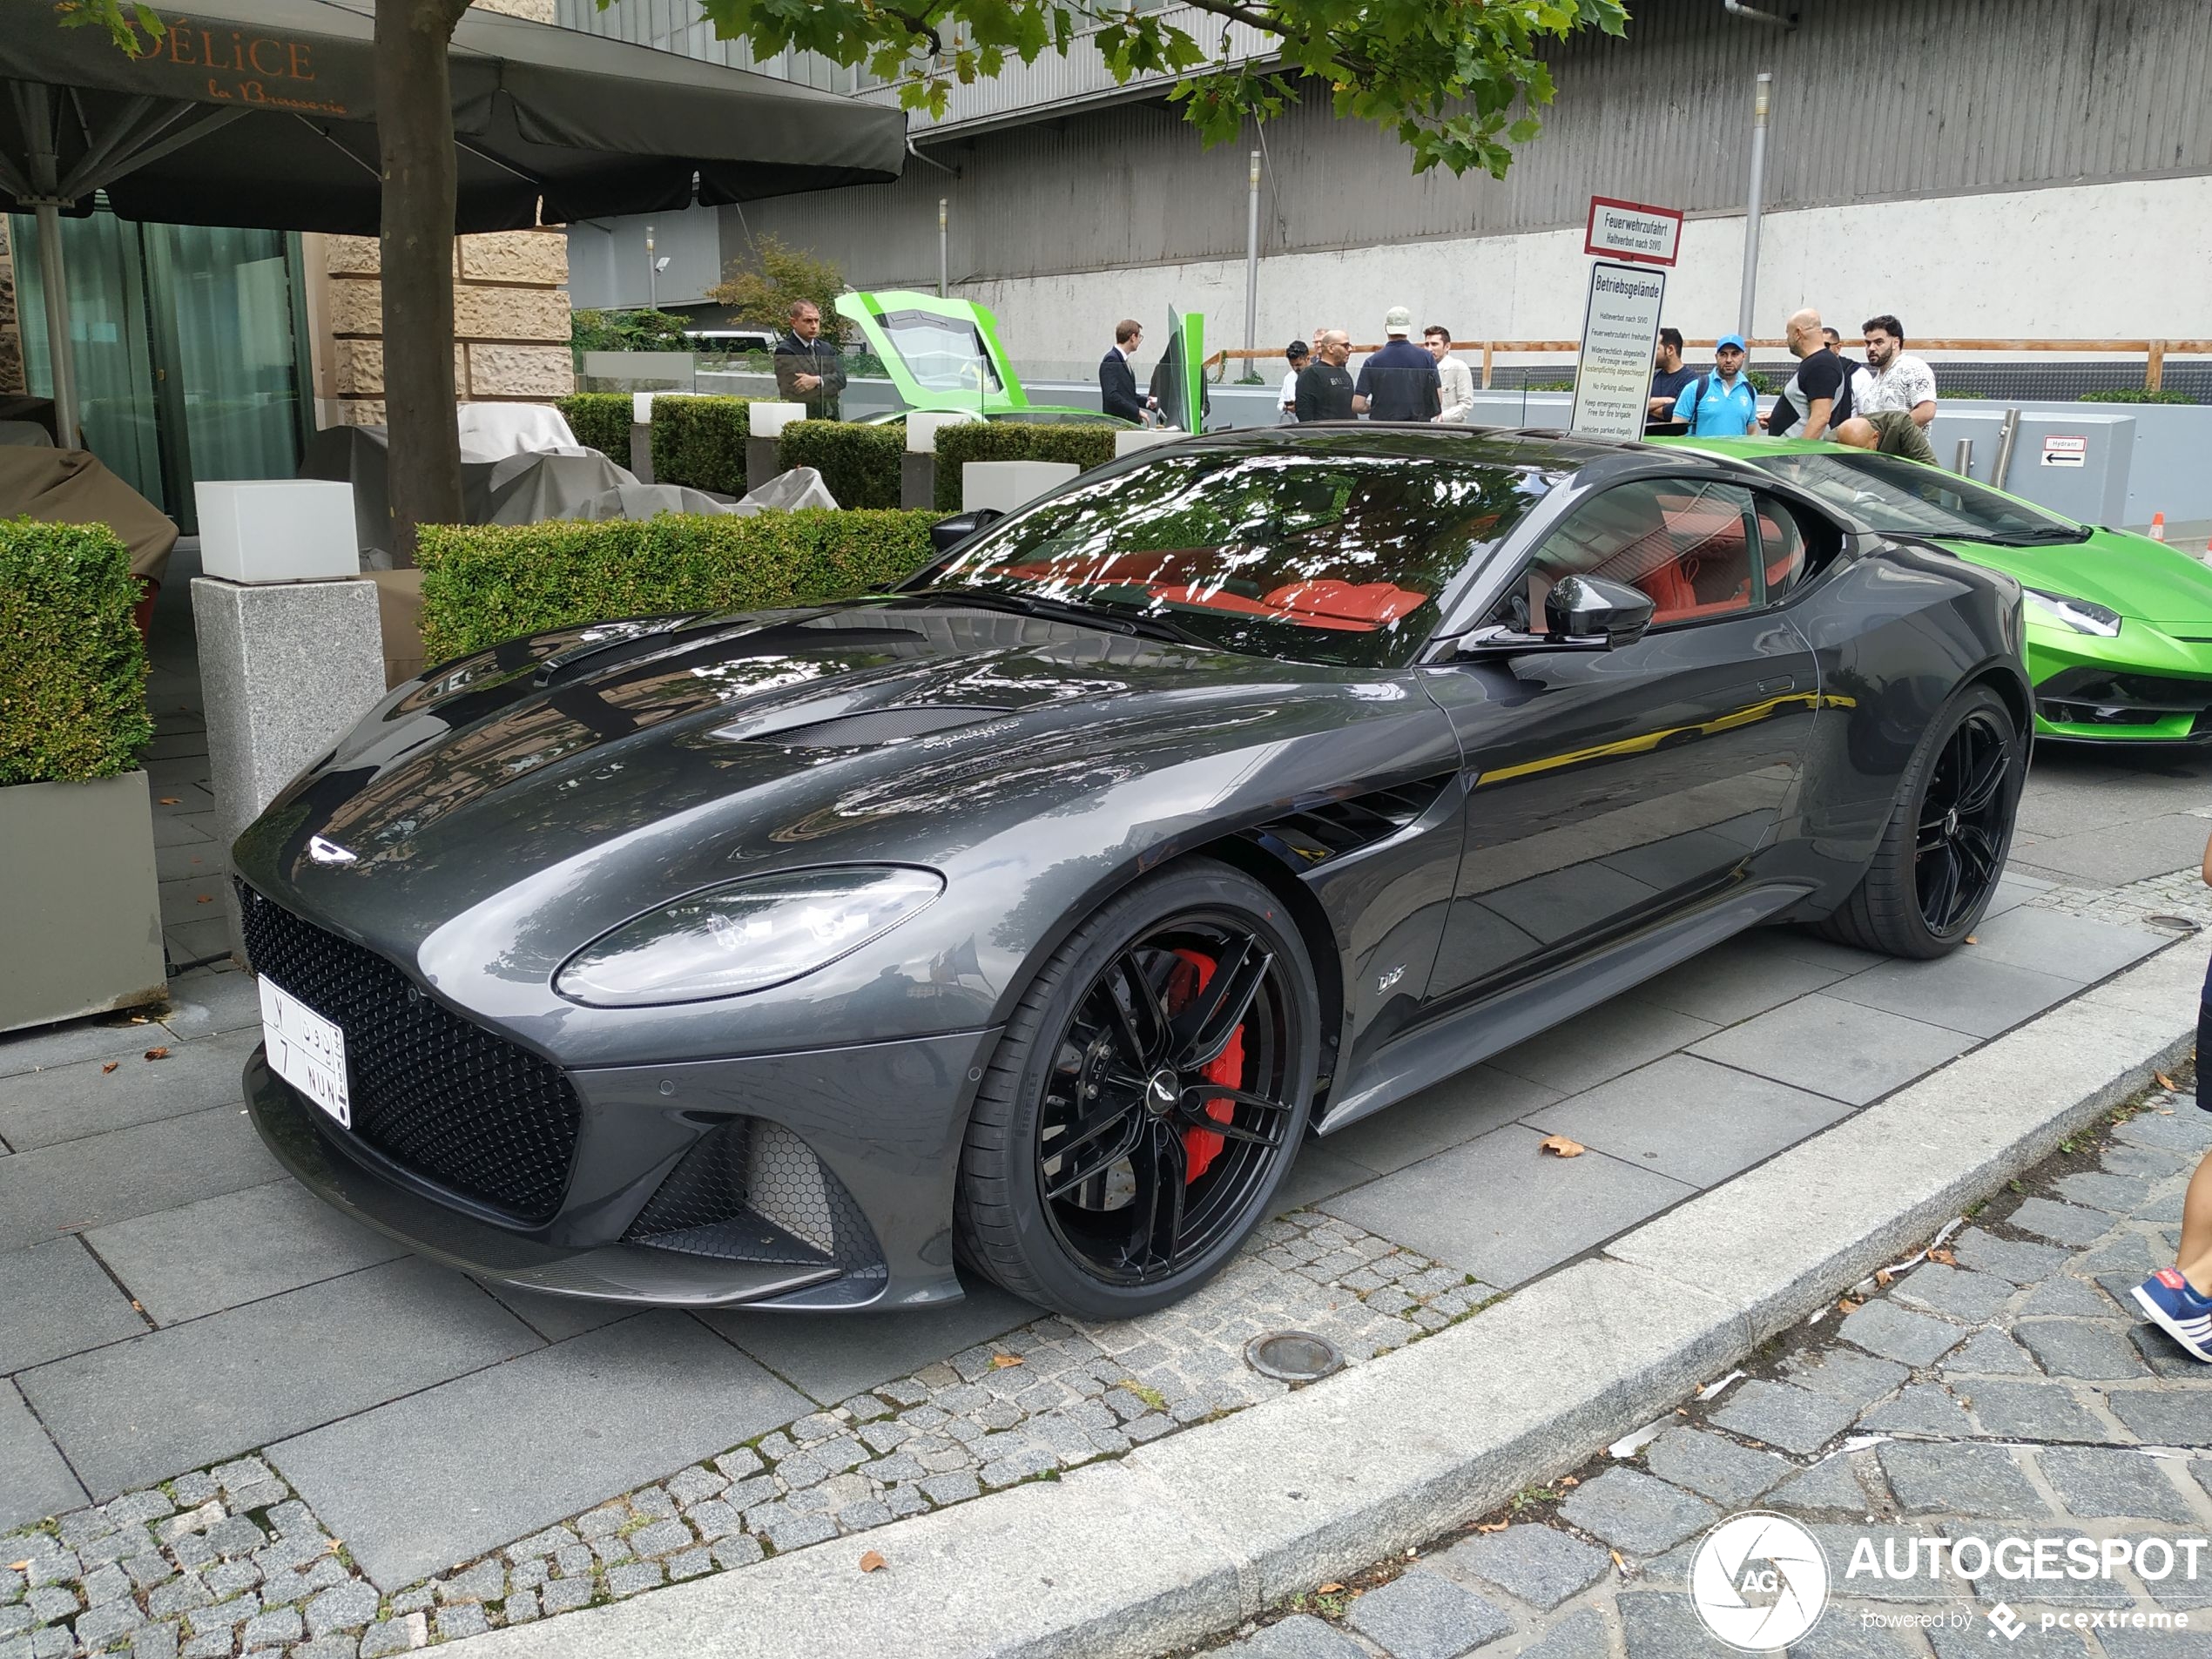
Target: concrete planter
{"x":80,"y":913}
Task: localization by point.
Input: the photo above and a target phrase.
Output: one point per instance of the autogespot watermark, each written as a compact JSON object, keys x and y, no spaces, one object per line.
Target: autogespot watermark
{"x":1761,"y":1582}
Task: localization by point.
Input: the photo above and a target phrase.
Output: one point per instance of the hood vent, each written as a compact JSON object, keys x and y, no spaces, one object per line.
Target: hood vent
{"x":873,"y":728}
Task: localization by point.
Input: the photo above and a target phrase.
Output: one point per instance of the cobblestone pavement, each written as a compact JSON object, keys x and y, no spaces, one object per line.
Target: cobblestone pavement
{"x":2003,"y":1385}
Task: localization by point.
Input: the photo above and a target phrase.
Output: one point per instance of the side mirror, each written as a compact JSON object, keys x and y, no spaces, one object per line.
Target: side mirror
{"x":1590,"y":608}
{"x":948,"y":533}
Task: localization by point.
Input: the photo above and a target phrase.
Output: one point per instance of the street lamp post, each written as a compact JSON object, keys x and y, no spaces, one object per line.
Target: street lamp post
{"x":653,"y":274}
{"x":1251,"y":266}
{"x":1751,"y":217}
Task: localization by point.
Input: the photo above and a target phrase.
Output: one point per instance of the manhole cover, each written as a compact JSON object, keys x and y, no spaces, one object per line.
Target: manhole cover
{"x":2174,"y":924}
{"x":1292,"y":1356}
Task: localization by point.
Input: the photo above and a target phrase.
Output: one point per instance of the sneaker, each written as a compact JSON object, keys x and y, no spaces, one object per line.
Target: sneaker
{"x":2178,"y":1311}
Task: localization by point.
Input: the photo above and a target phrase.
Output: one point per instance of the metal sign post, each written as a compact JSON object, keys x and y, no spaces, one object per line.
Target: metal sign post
{"x":1620,"y":334}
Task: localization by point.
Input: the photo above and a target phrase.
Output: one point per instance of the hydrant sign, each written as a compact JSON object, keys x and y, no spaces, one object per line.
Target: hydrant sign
{"x":1633,"y":231}
{"x":1620,"y":336}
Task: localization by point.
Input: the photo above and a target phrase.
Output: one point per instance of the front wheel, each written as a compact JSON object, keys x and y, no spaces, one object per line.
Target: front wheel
{"x":1146,"y":1100}
{"x":1941,"y":859}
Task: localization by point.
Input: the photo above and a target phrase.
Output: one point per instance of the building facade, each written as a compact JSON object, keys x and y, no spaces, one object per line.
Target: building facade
{"x":1983,"y":168}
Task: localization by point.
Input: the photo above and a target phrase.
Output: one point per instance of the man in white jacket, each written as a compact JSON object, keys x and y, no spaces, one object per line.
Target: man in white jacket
{"x":1459,"y":380}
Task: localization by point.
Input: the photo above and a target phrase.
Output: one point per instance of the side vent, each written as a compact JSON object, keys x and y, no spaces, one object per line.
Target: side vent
{"x":1330,"y":829}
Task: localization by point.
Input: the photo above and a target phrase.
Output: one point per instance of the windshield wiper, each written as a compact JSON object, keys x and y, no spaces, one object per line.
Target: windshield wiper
{"x":2054,"y":536}
{"x":1061,"y":610}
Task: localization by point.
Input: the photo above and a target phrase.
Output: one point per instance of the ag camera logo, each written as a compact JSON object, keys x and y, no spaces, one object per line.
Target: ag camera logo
{"x":1759,"y":1582}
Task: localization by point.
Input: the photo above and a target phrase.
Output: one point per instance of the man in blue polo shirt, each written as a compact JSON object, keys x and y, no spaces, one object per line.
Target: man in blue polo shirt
{"x":1721,"y":404}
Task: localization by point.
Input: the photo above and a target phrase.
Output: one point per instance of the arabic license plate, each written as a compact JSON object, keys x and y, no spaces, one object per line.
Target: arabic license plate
{"x":305,"y":1050}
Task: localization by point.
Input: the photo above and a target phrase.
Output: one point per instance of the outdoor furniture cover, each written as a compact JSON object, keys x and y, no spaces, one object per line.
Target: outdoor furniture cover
{"x":73,"y":487}
{"x":27,"y":432}
{"x":494,"y":431}
{"x":800,"y":487}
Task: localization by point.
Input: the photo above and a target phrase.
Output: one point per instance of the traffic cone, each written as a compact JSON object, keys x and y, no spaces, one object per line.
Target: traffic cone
{"x":2158,"y":527}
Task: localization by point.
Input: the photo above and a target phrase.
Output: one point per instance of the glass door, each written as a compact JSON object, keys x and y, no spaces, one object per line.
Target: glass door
{"x":188,"y":350}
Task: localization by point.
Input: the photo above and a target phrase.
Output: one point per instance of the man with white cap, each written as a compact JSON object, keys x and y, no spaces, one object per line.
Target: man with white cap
{"x":1400,"y":383}
{"x":1721,"y":404}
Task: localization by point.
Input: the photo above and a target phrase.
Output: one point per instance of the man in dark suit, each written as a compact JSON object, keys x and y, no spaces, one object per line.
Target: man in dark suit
{"x":1116,"y":380}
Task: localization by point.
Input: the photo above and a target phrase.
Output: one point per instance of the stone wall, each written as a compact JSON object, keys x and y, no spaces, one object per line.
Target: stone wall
{"x":12,"y":378}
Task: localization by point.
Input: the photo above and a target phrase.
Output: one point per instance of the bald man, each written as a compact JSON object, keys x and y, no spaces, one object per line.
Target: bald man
{"x":1817,"y":398}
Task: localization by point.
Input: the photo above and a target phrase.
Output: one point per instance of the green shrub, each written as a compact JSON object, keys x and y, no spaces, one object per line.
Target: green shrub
{"x":72,"y":667}
{"x":2134,"y":394}
{"x":483,"y":584}
{"x":859,"y":463}
{"x":1952,"y":394}
{"x":1086,"y":446}
{"x":601,"y":421}
{"x":626,"y":331}
{"x":700,"y":441}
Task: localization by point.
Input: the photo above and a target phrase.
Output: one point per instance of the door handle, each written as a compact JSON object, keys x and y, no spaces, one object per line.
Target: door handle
{"x":1775,"y":687}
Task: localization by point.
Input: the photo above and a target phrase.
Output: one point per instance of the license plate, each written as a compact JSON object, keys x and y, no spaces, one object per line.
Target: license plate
{"x":307,"y":1050}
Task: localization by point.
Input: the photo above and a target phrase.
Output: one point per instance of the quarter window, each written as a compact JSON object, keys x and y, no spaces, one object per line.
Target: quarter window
{"x":1687,"y":543}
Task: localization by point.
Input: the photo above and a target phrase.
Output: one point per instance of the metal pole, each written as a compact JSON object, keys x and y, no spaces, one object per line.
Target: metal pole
{"x":2008,"y":432}
{"x":1751,"y":217}
{"x":652,"y":277}
{"x":943,"y":265}
{"x":1252,"y":269}
{"x":53,"y":281}
{"x":1963,"y":462}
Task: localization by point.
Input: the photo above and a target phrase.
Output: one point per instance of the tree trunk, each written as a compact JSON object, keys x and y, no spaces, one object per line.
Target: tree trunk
{"x":415,"y":141}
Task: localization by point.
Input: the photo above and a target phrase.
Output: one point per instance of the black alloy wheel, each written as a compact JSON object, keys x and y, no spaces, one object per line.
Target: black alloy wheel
{"x":1943,"y":853}
{"x":1965,"y":818}
{"x":1147,"y":1100}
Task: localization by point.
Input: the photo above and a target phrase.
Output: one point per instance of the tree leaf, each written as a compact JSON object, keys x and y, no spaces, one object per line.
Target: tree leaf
{"x":158,"y":1053}
{"x":110,"y":1066}
{"x":872,"y":1562}
{"x":1559,"y":1147}
{"x":1004,"y":1361}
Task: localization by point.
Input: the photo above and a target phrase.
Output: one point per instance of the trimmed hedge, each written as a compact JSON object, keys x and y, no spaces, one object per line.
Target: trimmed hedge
{"x":699,"y":442}
{"x":72,"y":667}
{"x":859,"y":463}
{"x":601,"y":421}
{"x":483,"y":584}
{"x":1086,"y":446}
{"x":2135,"y":394}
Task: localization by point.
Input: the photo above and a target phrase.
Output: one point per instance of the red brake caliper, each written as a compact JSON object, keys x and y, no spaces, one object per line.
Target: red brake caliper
{"x":1201,"y":1147}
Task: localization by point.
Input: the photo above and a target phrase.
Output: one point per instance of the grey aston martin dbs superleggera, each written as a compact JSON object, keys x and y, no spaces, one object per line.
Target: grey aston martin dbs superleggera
{"x":1032,"y":916}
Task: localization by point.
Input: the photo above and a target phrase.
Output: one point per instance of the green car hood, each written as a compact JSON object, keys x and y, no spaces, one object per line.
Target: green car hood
{"x":2130,"y":574}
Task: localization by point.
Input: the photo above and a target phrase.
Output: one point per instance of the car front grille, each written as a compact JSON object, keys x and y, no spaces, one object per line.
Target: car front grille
{"x":2087,"y":696}
{"x":752,"y":1190}
{"x":430,"y":1090}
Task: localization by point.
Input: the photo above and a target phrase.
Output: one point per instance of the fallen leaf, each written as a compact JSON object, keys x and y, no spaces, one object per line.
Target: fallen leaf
{"x":2164,"y":1082}
{"x":110,"y":1066}
{"x":1972,"y":940}
{"x":205,"y":899}
{"x":17,"y":1567}
{"x":1846,"y":1305}
{"x":172,"y":800}
{"x":1004,"y":1361}
{"x":137,"y":1306}
{"x":1331,"y":1589}
{"x":1559,"y":1147}
{"x":1944,"y":1255}
{"x":1883,"y":1276}
{"x":1492,"y":1526}
{"x":872,"y":1562}
{"x":157,"y":1054}
{"x":1569,"y":1481}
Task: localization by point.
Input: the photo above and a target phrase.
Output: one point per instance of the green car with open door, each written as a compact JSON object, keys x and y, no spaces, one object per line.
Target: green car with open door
{"x":2119,"y":626}
{"x":945,"y":355}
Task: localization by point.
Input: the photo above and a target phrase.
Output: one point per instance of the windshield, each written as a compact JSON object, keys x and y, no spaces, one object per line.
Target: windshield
{"x":1332,"y":558}
{"x":943,"y":353}
{"x":1899,"y":497}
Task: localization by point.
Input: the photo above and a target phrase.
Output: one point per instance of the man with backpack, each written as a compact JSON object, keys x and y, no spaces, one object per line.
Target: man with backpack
{"x":1721,"y":404}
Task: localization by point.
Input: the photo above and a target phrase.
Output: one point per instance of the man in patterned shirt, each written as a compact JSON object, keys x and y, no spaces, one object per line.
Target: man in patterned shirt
{"x":1893,"y":397}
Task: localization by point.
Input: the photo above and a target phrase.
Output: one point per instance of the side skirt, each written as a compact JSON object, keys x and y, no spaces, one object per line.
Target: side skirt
{"x":1465,"y":1037}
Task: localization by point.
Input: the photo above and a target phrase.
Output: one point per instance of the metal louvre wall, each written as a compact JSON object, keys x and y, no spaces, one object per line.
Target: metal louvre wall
{"x":1874,"y":99}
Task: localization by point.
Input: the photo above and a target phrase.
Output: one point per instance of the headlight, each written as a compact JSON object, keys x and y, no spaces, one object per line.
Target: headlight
{"x":2077,"y":614}
{"x":746,"y":936}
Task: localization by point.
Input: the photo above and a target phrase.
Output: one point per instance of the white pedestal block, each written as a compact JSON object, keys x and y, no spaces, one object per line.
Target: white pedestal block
{"x":923,"y":426}
{"x":285,"y":669}
{"x":1128,"y":443}
{"x":768,"y":420}
{"x":1009,"y":485}
{"x":278,"y":530}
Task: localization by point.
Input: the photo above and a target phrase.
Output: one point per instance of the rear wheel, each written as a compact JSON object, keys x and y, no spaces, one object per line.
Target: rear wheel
{"x":1146,"y":1100}
{"x":1943,"y":851}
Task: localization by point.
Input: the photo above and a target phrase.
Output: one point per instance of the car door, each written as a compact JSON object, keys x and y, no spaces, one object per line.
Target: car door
{"x":1607,"y":787}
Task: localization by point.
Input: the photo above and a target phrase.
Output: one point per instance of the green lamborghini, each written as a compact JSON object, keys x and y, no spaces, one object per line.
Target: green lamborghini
{"x":2119,"y":626}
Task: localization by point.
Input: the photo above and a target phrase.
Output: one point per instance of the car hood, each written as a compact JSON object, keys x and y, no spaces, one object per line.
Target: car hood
{"x":2130,"y":574}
